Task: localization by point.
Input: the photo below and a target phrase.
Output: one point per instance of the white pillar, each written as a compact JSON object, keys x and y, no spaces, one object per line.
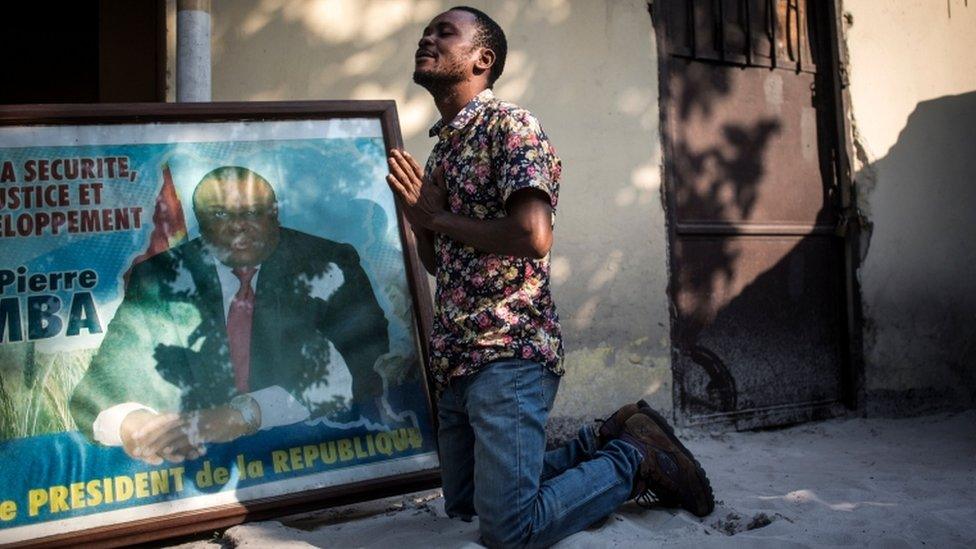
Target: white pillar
{"x":193,"y":50}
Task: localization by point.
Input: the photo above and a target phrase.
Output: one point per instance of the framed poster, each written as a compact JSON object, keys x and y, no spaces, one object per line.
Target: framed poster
{"x":207,"y":312}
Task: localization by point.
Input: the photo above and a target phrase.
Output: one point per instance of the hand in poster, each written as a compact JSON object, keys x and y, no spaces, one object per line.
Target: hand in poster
{"x":423,"y":198}
{"x":154,"y":437}
{"x":172,"y":437}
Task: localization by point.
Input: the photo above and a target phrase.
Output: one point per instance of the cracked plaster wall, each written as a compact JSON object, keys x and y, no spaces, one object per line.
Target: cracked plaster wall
{"x":913,"y":76}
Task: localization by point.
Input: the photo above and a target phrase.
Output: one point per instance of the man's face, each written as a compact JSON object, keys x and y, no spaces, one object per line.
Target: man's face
{"x":238,"y":219}
{"x":446,"y":53}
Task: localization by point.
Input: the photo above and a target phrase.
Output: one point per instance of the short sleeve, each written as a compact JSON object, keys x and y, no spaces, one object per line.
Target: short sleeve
{"x":524,"y":157}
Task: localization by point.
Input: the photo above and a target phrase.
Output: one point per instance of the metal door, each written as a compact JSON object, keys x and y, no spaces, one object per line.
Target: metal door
{"x":757,"y":269}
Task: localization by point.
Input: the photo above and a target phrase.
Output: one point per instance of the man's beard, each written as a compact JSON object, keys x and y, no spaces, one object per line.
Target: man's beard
{"x":436,"y":83}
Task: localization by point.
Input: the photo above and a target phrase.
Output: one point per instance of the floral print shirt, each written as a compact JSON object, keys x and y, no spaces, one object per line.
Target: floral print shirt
{"x":489,"y":306}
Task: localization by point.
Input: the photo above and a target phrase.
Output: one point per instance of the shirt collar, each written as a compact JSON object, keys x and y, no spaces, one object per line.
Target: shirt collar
{"x":227,"y":277}
{"x":469,"y":111}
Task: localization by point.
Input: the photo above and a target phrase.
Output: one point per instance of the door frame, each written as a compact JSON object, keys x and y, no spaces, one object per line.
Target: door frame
{"x":853,"y":369}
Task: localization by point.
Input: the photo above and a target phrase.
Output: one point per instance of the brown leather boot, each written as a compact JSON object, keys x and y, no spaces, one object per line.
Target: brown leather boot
{"x":613,"y":426}
{"x":669,"y":471}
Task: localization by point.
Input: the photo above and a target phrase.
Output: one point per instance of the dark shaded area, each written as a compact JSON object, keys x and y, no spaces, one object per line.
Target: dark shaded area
{"x":919,"y":288}
{"x":777,"y":336}
{"x":51,"y":50}
{"x":83,"y":51}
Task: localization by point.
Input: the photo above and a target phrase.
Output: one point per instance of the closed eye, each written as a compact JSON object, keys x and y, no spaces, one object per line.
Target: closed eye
{"x":446,"y":29}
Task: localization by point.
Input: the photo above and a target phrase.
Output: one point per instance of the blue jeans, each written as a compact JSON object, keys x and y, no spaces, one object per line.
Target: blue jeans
{"x":494,"y":464}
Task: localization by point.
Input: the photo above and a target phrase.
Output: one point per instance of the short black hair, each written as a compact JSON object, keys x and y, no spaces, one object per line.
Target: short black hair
{"x":490,"y":35}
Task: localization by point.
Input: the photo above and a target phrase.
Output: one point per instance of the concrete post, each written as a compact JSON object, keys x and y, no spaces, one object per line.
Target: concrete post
{"x":193,"y":50}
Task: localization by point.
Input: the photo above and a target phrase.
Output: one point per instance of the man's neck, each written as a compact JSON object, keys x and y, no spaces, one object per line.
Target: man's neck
{"x":451,"y":100}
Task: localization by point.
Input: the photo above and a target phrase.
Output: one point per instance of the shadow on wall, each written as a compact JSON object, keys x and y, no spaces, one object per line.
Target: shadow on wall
{"x":918,"y":285}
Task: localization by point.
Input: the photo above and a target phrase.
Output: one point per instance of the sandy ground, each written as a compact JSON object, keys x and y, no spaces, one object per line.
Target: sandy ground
{"x":854,"y":482}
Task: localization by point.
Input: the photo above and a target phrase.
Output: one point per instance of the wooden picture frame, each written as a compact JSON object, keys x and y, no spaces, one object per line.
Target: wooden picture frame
{"x":31,"y":134}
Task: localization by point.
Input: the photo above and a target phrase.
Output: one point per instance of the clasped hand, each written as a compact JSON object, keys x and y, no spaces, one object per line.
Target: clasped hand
{"x":423,"y":199}
{"x":173,"y":437}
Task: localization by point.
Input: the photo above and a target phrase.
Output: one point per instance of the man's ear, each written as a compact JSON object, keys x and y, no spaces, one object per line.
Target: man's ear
{"x":485,"y":61}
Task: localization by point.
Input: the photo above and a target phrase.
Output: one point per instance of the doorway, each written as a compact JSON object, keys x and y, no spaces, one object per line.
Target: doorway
{"x":758,"y":264}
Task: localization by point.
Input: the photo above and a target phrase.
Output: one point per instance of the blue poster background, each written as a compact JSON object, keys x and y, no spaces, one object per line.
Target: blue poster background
{"x":332,"y":188}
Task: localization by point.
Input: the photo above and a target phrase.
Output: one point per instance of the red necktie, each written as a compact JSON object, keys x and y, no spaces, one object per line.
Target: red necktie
{"x":239,"y":319}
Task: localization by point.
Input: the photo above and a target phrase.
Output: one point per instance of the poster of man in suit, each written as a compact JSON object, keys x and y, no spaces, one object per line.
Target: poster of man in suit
{"x":274,"y":306}
{"x":200,"y":313}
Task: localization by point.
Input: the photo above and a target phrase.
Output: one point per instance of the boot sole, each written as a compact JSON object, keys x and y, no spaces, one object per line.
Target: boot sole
{"x":691,"y":507}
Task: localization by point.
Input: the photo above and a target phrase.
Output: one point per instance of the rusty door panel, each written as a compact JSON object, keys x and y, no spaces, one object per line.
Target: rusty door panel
{"x":754,"y":326}
{"x":746,"y":147}
{"x":756,"y":269}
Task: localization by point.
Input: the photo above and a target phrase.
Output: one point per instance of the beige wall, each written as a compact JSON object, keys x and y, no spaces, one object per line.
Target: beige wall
{"x":913,"y":92}
{"x":587,"y":69}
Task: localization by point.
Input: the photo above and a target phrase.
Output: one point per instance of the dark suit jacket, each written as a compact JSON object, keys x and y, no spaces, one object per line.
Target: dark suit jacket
{"x":167,"y":347}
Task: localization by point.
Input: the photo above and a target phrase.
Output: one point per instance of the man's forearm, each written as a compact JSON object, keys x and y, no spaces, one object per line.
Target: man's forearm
{"x":425,"y":247}
{"x":525,"y":232}
{"x":505,"y":236}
